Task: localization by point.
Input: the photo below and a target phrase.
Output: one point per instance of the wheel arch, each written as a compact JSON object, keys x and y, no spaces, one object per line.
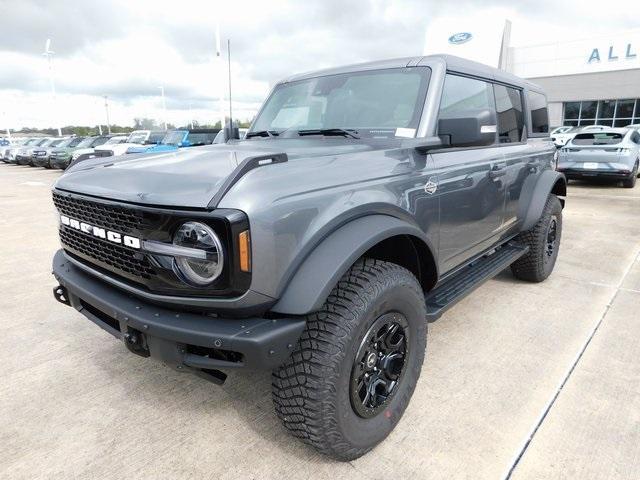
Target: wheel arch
{"x":549,"y":182}
{"x":383,"y":237}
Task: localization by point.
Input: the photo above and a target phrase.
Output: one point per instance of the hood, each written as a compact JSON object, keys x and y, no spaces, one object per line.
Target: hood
{"x":188,"y":177}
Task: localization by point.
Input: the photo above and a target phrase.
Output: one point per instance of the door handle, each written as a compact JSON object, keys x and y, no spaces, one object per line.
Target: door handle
{"x":497,"y":171}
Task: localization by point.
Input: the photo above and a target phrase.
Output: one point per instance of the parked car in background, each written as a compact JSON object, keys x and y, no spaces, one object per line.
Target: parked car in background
{"x":135,"y":139}
{"x":178,"y":139}
{"x":40,"y":154}
{"x":561,"y":135}
{"x":592,"y":128}
{"x":12,"y":150}
{"x":6,"y":149}
{"x":23,"y":157}
{"x":82,"y":154}
{"x":612,"y":154}
{"x":61,"y":157}
{"x":43,"y":159}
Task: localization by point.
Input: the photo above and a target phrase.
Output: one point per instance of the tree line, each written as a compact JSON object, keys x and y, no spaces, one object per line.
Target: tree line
{"x":138,"y":124}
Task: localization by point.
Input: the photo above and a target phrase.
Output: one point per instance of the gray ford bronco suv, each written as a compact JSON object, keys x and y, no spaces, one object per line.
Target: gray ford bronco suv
{"x":363,"y":203}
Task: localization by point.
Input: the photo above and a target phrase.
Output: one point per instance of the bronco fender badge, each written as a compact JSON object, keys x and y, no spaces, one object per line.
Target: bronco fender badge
{"x":431,"y":186}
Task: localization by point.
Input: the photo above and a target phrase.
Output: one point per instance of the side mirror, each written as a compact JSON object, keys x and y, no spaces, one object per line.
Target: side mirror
{"x":477,"y":128}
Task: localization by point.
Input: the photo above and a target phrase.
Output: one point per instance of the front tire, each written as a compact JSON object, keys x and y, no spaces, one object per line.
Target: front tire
{"x":356,"y":365}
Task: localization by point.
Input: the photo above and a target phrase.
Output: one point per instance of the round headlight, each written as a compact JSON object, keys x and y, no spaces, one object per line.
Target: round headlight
{"x":204,"y":264}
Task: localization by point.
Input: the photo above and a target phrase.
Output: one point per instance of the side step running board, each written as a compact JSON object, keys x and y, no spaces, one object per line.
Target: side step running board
{"x":471,"y":277}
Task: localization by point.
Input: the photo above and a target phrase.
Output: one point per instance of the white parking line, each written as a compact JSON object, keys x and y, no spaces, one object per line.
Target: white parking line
{"x":554,"y":397}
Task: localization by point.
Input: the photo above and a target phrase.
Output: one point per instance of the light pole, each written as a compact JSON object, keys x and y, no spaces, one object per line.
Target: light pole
{"x":49,"y":54}
{"x":220,"y":75}
{"x":164,"y":107}
{"x":106,"y":108}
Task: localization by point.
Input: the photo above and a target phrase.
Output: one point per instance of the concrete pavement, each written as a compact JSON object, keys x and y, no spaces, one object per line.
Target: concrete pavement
{"x":75,"y":404}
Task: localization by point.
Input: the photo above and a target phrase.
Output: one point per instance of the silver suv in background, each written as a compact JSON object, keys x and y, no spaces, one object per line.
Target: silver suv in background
{"x":610,"y":153}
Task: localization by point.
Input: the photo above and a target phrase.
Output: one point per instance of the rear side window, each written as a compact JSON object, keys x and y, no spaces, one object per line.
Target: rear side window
{"x":597,"y":138}
{"x":539,"y":113}
{"x":510,"y":114}
{"x":461,"y":94}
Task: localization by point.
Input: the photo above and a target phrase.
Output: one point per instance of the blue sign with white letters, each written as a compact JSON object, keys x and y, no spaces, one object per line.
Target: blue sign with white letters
{"x":459,"y":38}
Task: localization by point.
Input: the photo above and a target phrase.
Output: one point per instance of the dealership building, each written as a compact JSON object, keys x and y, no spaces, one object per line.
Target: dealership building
{"x":591,"y":81}
{"x":588,"y":81}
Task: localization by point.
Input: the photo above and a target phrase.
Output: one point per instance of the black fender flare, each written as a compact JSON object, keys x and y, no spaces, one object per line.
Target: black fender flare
{"x":548,"y":182}
{"x":320,"y":271}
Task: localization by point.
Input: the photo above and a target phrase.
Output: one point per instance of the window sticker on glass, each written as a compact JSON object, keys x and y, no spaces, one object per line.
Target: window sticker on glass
{"x":291,"y":116}
{"x":406,"y":132}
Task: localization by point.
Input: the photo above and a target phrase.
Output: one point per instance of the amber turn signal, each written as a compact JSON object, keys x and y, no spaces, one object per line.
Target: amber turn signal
{"x":244,"y":247}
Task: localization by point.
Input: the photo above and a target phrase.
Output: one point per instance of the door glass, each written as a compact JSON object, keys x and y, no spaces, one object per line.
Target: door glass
{"x":510,"y":114}
{"x":539,"y":112}
{"x":461,"y":94}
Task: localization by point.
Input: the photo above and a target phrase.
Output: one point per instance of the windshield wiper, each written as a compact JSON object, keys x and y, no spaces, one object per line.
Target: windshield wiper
{"x":330,"y":132}
{"x":262,"y":133}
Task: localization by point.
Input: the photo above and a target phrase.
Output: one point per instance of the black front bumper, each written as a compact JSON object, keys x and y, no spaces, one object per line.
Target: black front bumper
{"x":182,"y":340}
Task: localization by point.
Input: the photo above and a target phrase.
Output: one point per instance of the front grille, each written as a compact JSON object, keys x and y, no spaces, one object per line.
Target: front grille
{"x":113,"y":255}
{"x":112,"y":217}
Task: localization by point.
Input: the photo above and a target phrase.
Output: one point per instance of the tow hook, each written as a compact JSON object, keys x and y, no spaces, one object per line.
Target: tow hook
{"x":135,"y":342}
{"x":60,"y":294}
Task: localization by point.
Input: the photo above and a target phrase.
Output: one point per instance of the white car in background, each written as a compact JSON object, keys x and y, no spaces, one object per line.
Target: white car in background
{"x":135,"y":139}
{"x":85,"y":153}
{"x":561,"y":135}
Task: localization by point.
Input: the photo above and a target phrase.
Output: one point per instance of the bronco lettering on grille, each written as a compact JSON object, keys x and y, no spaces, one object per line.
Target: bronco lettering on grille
{"x":98,"y":232}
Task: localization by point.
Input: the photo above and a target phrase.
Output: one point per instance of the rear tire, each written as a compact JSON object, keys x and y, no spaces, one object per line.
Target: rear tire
{"x":543,"y":241}
{"x":631,"y":181}
{"x":323,"y":393}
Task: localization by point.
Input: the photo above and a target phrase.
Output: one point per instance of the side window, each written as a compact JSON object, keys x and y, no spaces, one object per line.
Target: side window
{"x":510,"y":114}
{"x":539,"y":113}
{"x":461,"y":94}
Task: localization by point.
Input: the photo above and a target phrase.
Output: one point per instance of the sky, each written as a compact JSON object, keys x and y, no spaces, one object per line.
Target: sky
{"x":127,"y":49}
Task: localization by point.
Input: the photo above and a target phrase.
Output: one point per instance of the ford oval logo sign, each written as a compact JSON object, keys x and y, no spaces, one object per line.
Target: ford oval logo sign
{"x":458,"y":38}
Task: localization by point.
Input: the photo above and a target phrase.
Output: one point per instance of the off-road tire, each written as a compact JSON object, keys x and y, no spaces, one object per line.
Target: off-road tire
{"x":631,"y":181}
{"x":533,"y":266}
{"x":311,"y":391}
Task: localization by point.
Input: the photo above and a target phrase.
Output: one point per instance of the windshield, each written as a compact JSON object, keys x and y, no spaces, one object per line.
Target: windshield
{"x":86,"y":142}
{"x":56,"y":142}
{"x":375,"y":103}
{"x":196,"y":139}
{"x":173,"y":138}
{"x":137,"y":137}
{"x":562,"y":130}
{"x":113,"y":140}
{"x":599,"y":138}
{"x":156,"y":137}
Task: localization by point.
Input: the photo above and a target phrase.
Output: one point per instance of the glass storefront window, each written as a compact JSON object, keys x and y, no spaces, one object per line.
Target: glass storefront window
{"x":589,"y":109}
{"x":625,"y":108}
{"x":572,"y":110}
{"x":619,"y":113}
{"x":606,"y":108}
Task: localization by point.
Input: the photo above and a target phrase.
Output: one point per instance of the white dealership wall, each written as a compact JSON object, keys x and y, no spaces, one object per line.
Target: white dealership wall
{"x":603,"y":67}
